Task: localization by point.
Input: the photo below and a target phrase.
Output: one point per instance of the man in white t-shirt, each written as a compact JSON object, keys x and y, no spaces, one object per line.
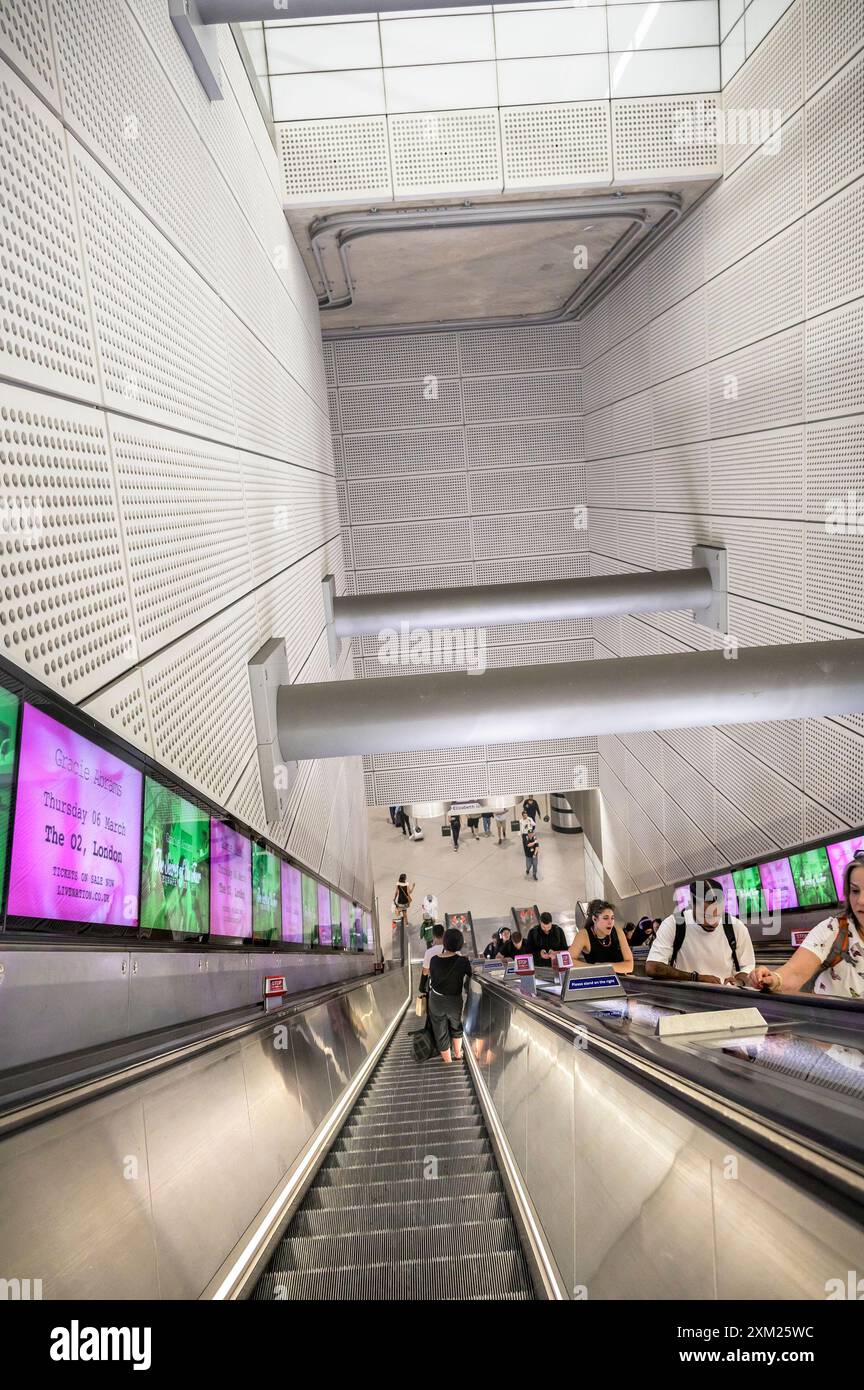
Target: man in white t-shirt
{"x":698,"y":945}
{"x":434,"y":950}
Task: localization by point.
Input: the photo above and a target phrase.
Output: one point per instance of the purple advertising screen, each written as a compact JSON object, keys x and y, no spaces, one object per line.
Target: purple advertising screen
{"x":292,"y":905}
{"x":325,"y":932}
{"x":730,"y":897}
{"x":778,"y":885}
{"x":682,"y":898}
{"x":839,"y":856}
{"x":347,"y":934}
{"x":76,"y":845}
{"x":230,"y":882}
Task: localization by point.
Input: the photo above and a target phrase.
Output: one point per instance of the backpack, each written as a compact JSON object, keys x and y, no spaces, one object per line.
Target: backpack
{"x":840,"y":950}
{"x":681,"y":931}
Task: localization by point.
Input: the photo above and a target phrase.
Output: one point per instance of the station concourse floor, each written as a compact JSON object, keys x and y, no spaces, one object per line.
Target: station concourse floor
{"x":481,"y":877}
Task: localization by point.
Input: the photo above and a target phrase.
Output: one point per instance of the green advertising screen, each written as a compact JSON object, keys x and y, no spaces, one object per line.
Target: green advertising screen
{"x":748,"y":886}
{"x":814,"y":882}
{"x":266,"y":895}
{"x":336,"y":918}
{"x":310,"y":911}
{"x":175,"y":864}
{"x":9,"y":710}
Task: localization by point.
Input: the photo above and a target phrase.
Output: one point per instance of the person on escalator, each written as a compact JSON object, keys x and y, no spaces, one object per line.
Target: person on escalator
{"x":448,"y":974}
{"x":833,"y":951}
{"x":434,"y":950}
{"x":703,"y":944}
{"x":545,"y":940}
{"x":601,"y":941}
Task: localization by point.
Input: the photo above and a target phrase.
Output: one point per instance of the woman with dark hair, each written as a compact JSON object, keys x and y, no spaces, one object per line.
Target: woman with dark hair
{"x":833,"y":951}
{"x":447,"y":976}
{"x":601,"y":941}
{"x":402,"y":899}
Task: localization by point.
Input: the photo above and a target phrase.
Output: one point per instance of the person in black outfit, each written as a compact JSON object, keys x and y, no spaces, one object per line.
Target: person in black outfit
{"x":455,"y":827}
{"x":545,"y":940}
{"x":500,"y":947}
{"x":602,"y":941}
{"x":531,"y":808}
{"x":448,"y":974}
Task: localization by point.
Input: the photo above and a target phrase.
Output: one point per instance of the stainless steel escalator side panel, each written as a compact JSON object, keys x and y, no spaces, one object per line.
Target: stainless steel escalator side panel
{"x":141,"y":1193}
{"x":550,"y":1172}
{"x":200,"y":1158}
{"x":62,"y":998}
{"x":71,"y":999}
{"x":276,"y":1119}
{"x":75,"y":1204}
{"x":636,"y":1198}
{"x":643,"y":1217}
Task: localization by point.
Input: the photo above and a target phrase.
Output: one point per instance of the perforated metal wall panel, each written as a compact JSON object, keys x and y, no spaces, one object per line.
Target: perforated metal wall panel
{"x":45,"y":336}
{"x":756,"y":201}
{"x":412,"y":451}
{"x":759,"y":474}
{"x":835,"y":362}
{"x":759,"y":295}
{"x":377,"y":546}
{"x":446,"y":152}
{"x":665,"y":137}
{"x":25,"y":39}
{"x":184,"y":527}
{"x":335,"y":160}
{"x":760,"y":387}
{"x":520,"y":397}
{"x":766,"y":90}
{"x":835,"y":250}
{"x":122,"y":707}
{"x":834,"y":464}
{"x":551,"y":347}
{"x":409,"y":358}
{"x":832,"y":35}
{"x":835,"y":140}
{"x":108,"y":76}
{"x":527,"y":489}
{"x":678,"y":338}
{"x":66,"y":607}
{"x":526,"y":441}
{"x":412,"y":498}
{"x":547,"y":145}
{"x":400,"y":406}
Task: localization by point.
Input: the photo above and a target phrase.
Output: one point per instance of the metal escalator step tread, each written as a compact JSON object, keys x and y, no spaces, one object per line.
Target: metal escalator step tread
{"x":463,"y":1114}
{"x":406,"y":1153}
{"x":492,"y":1276}
{"x":362,"y":1175}
{"x":390,"y":1216}
{"x":375,"y":1109}
{"x":362,"y":1248}
{"x":414,"y":1087}
{"x":461,"y":1184}
{"x":437,"y":1131}
{"x":362,"y":1139}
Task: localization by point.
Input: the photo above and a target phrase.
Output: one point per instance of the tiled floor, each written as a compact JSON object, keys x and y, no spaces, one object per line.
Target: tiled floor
{"x":482,"y":877}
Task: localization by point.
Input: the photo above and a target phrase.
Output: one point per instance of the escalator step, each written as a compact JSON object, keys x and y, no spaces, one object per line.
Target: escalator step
{"x":463,"y":1185}
{"x":435,"y":1126}
{"x":455,"y":1242}
{"x":364,"y":1174}
{"x":391,"y":1154}
{"x":363,"y":1140}
{"x":475,"y":1276}
{"x":409,"y":1107}
{"x":459,"y":1115}
{"x":392,"y":1216}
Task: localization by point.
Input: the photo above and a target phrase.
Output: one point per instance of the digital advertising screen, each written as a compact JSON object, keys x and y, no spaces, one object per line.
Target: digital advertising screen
{"x":814,"y":882}
{"x":778,"y":885}
{"x":347,"y":924}
{"x":230,"y":882}
{"x":730,"y":897}
{"x":748,"y":886}
{"x":368,"y":934}
{"x":292,"y":905}
{"x":9,"y":708}
{"x":310,"y":910}
{"x":175,"y":864}
{"x":266,"y":895}
{"x":325,"y":931}
{"x":839,"y":855}
{"x":336,"y":918}
{"x":77,"y":829}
